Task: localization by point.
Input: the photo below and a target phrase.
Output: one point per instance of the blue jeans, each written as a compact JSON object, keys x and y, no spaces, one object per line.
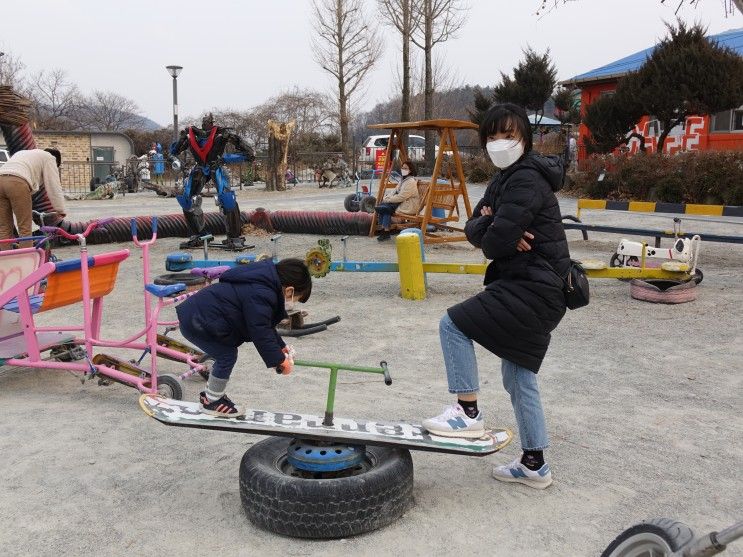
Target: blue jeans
{"x":224,"y":356}
{"x":519,"y":382}
{"x":385,"y":212}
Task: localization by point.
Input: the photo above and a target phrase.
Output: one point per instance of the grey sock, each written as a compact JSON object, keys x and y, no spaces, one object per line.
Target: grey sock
{"x":215,"y":388}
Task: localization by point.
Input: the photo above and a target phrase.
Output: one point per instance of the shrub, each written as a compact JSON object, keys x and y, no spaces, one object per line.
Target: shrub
{"x":477,"y":168}
{"x":714,"y":177}
{"x":549,"y":144}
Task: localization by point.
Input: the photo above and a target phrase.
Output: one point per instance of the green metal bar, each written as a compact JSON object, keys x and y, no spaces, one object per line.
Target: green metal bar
{"x":331,"y":396}
{"x":334,"y":368}
{"x":328,"y":365}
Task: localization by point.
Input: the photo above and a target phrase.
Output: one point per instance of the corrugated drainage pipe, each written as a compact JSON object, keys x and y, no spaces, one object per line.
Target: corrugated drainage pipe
{"x":169,"y":226}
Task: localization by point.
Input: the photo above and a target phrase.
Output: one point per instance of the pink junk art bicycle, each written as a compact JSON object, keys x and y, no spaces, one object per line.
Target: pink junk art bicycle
{"x":88,"y":280}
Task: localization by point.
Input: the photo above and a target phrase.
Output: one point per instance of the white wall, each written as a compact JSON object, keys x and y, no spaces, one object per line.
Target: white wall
{"x":121,"y":144}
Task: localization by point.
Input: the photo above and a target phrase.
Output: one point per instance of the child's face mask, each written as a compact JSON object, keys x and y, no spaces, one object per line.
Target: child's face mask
{"x":404,"y":171}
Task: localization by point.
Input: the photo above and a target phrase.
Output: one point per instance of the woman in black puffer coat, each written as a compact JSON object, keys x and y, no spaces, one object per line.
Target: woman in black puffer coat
{"x":518,"y":225}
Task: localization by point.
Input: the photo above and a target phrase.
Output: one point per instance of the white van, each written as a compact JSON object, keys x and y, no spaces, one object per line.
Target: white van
{"x":373,"y":143}
{"x":4,"y":156}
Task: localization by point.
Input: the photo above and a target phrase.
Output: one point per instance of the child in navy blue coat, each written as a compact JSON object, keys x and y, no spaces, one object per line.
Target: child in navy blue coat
{"x":245,"y":305}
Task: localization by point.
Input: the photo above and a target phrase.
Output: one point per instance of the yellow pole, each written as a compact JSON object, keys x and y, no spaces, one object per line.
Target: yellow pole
{"x":410,"y":261}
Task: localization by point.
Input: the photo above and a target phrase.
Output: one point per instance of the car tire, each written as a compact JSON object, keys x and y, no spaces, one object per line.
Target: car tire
{"x":184,"y":278}
{"x":351,"y":203}
{"x":276,"y":498}
{"x":367,"y":204}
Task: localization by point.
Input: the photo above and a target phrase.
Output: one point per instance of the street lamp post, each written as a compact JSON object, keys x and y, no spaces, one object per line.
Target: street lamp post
{"x":174,"y":71}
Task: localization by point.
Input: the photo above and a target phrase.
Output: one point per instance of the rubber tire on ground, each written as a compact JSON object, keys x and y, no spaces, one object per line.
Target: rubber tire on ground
{"x":351,"y":203}
{"x":367,"y":204}
{"x":698,"y":275}
{"x":660,"y":291}
{"x":659,"y":534}
{"x":184,"y":278}
{"x":169,"y":386}
{"x":324,"y":508}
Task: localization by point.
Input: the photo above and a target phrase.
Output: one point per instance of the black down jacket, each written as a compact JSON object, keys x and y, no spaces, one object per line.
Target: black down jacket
{"x":523,"y":300}
{"x":244,"y":306}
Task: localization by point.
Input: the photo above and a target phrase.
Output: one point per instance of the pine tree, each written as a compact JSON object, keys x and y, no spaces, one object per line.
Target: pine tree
{"x":685,"y":75}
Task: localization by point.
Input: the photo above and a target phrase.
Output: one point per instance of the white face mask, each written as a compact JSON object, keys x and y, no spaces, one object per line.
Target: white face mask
{"x":505,"y":152}
{"x":404,"y":171}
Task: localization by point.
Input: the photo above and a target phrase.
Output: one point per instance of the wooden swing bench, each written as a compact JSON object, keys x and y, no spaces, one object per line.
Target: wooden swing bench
{"x":438,"y":210}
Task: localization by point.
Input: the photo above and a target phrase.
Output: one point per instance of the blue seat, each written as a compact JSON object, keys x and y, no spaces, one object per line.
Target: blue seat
{"x":164,"y":290}
{"x":178,"y":257}
{"x":35,"y":299}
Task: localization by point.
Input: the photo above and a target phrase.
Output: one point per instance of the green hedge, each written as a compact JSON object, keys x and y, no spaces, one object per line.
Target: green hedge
{"x":711,"y":177}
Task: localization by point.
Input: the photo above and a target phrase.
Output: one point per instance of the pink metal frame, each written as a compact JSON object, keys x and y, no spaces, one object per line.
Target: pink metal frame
{"x":92,"y":319}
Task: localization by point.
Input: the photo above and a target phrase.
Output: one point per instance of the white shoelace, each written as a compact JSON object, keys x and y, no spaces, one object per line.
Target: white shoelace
{"x":451,"y":412}
{"x":515,"y":464}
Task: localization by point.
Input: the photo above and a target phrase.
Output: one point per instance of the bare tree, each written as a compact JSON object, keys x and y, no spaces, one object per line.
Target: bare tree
{"x":404,"y":16}
{"x":108,"y":111}
{"x":346,"y":46}
{"x":56,"y":100}
{"x":10,"y":71}
{"x":438,"y":21}
{"x":312,"y":112}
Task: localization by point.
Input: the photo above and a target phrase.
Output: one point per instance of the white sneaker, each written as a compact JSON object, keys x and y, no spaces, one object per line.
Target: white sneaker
{"x":517,"y":472}
{"x":453,"y":422}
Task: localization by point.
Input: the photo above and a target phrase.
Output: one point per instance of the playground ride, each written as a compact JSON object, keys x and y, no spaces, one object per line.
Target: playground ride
{"x":681,"y":257}
{"x":414,"y":269}
{"x":440,"y":197}
{"x":362,"y":199}
{"x":88,"y":280}
{"x":333,"y":477}
{"x":657,"y":209}
{"x":664,"y":537}
{"x":201,"y":271}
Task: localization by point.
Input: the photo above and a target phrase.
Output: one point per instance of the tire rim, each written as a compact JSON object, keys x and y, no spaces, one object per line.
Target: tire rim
{"x":644,"y":544}
{"x":165,"y":390}
{"x":368,"y":462}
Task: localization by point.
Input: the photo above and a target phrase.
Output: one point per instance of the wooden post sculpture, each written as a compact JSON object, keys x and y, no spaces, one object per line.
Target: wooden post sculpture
{"x":278,"y":149}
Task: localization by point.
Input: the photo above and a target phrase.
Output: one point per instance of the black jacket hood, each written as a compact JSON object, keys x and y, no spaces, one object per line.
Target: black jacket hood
{"x":260,"y":272}
{"x":549,"y":166}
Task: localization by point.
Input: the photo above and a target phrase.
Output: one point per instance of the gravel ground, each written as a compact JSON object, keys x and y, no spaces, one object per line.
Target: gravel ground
{"x":643,"y":405}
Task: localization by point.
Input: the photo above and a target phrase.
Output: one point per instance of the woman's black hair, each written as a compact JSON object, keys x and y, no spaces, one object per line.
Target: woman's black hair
{"x":294,"y":272}
{"x":411,"y":165}
{"x":503,"y":118}
{"x":57,"y":155}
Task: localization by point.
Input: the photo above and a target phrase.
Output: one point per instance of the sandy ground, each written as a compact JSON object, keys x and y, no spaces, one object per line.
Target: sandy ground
{"x":643,"y":404}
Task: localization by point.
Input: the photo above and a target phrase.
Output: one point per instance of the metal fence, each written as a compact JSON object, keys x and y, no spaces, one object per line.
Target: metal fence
{"x":80,"y":177}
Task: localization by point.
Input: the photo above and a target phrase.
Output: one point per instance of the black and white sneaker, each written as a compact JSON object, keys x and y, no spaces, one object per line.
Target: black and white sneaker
{"x":222,"y":407}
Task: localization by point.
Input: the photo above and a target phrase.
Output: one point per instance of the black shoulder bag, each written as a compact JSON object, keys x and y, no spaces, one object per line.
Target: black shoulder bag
{"x":575,"y":285}
{"x":577,"y":293}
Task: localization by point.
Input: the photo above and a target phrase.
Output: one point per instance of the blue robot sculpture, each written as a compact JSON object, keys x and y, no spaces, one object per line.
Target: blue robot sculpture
{"x":207,"y":145}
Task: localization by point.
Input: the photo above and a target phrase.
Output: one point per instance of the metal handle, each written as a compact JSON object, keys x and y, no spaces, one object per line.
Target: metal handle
{"x":387,"y":378}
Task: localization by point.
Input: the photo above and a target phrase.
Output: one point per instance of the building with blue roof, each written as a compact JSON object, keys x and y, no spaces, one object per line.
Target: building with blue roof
{"x":723,"y":131}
